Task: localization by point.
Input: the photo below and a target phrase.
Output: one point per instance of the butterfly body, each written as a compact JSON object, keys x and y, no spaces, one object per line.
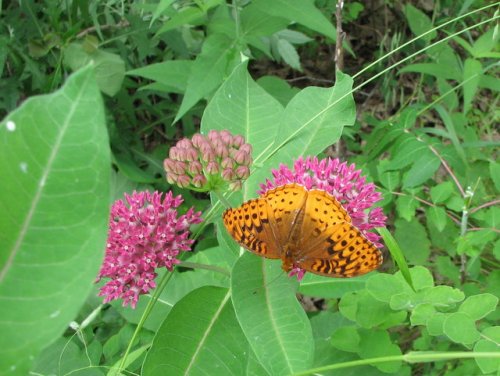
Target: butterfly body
{"x":305,"y":229}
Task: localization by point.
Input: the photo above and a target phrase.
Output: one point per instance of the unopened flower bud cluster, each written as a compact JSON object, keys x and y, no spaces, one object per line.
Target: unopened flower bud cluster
{"x":208,"y":162}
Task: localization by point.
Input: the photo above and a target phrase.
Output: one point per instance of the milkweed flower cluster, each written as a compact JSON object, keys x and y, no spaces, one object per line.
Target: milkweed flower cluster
{"x":342,"y":181}
{"x":145,"y":233}
{"x":210,"y":162}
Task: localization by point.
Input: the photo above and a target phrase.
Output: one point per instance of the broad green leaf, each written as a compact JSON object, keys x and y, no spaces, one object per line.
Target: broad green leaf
{"x":300,"y":11}
{"x":315,"y":285}
{"x":419,"y":22}
{"x":55,"y":157}
{"x":270,"y":316}
{"x":488,"y":343}
{"x":243,"y":107}
{"x":346,"y":338}
{"x":278,"y":88}
{"x":452,"y":131}
{"x":479,"y":306}
{"x":390,"y":179}
{"x":473,"y":71}
{"x":460,"y":328}
{"x":173,"y":74}
{"x":200,"y":336}
{"x":448,"y":269}
{"x":422,"y":170}
{"x":435,"y":324}
{"x":433,"y":69}
{"x":406,"y":207}
{"x":377,"y":343}
{"x":407,"y":152}
{"x":289,"y":54}
{"x":257,"y":22}
{"x":109,"y":69}
{"x":485,"y":43}
{"x":188,"y":15}
{"x":448,"y":94}
{"x":442,"y":192}
{"x":413,"y":240}
{"x":312,"y":121}
{"x":383,"y":286}
{"x":208,"y":71}
{"x":441,"y":296}
{"x":495,"y":173}
{"x":421,"y":314}
{"x":436,"y":216}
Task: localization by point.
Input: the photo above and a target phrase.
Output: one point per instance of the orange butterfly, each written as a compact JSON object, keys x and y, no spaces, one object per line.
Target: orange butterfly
{"x":305,"y":229}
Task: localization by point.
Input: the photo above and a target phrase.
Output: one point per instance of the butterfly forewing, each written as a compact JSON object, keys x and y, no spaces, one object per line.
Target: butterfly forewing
{"x":249,"y":226}
{"x":285,"y":211}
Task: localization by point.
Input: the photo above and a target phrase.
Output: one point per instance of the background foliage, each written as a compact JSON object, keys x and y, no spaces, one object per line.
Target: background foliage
{"x":422,"y":123}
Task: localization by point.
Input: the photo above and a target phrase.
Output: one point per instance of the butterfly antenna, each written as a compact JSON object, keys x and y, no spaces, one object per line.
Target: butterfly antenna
{"x":269,"y":282}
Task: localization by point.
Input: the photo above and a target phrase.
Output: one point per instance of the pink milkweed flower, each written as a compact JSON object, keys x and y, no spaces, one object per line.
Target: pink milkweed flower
{"x":145,"y":233}
{"x":342,"y":181}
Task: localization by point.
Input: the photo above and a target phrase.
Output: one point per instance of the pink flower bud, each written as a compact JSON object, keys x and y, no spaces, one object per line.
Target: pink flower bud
{"x":226,"y":137}
{"x":174,"y":153}
{"x":179,"y":167}
{"x":242,"y":157}
{"x":172,"y":178}
{"x":197,"y":140}
{"x":213,"y":136}
{"x":247,"y":148}
{"x":183,"y":181}
{"x":242,"y":172}
{"x":185,"y":143}
{"x":168,"y":165}
{"x":207,"y":154}
{"x":195,"y":168}
{"x":238,"y":141}
{"x":227,"y":163}
{"x":228,"y":174}
{"x":199,"y":181}
{"x":212,"y":168}
{"x":221,"y":151}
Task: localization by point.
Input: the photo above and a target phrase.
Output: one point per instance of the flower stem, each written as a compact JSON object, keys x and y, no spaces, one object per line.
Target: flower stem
{"x":212,"y":268}
{"x":166,"y":277}
{"x":222,"y":199}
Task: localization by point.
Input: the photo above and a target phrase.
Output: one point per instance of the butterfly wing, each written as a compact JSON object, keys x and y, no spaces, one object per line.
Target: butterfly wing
{"x":249,"y":226}
{"x":330,"y":245}
{"x":285,"y":211}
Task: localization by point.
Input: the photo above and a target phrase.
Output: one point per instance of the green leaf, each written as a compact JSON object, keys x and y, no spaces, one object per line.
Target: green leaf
{"x":413,"y":240}
{"x":346,"y":338}
{"x":187,"y":15}
{"x":244,"y":108}
{"x":433,"y":69}
{"x":419,"y":22}
{"x":436,"y":216}
{"x":55,"y":156}
{"x":312,"y":121}
{"x":257,"y":22}
{"x":390,"y":179}
{"x":495,"y":173}
{"x":383,"y":286}
{"x":262,"y":292}
{"x":109,"y":69}
{"x":473,"y":71}
{"x":479,"y":306}
{"x":421,"y":314}
{"x":208,"y":71}
{"x":460,"y":328}
{"x":406,"y":207}
{"x":442,"y":192}
{"x":448,"y":94}
{"x":422,"y":170}
{"x":289,"y":54}
{"x":302,"y":12}
{"x":200,"y":336}
{"x":488,"y":343}
{"x":435,"y":324}
{"x":377,"y":343}
{"x":485,"y":43}
{"x":315,"y":285}
{"x":278,"y":88}
{"x":173,"y":74}
{"x":406,"y":153}
{"x":396,"y":254}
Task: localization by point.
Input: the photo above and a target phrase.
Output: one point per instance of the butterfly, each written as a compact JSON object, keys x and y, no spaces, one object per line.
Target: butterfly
{"x":305,"y":229}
